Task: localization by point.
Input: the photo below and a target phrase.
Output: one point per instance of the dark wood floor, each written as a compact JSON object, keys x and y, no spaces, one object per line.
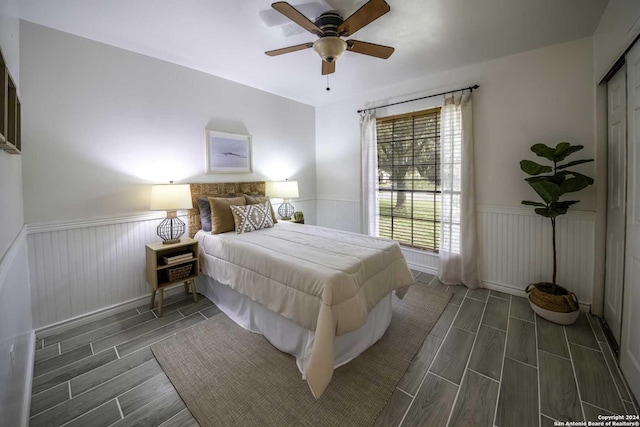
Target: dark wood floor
{"x":488,"y":361}
{"x":102,"y":372}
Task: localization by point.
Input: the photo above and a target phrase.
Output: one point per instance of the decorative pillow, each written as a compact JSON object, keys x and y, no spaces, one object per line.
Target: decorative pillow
{"x":205,"y":208}
{"x":221,"y":216}
{"x":252,"y":217}
{"x":205,"y":213}
{"x":254,"y":200}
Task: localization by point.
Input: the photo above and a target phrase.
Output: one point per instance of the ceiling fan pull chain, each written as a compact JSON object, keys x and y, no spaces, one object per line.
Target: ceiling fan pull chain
{"x":328,"y":88}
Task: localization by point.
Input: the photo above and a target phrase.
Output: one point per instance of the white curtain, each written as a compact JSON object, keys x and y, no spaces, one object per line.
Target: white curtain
{"x":369,"y":149}
{"x":458,"y":238}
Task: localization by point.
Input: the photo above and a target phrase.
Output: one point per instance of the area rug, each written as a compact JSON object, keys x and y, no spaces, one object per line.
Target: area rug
{"x":228,"y":376}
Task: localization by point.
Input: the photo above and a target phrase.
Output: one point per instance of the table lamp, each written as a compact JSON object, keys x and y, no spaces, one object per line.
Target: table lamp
{"x":170,"y":198}
{"x":283,"y":190}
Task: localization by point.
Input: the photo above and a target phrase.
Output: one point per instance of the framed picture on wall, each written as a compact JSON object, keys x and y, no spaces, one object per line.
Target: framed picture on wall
{"x":228,"y":152}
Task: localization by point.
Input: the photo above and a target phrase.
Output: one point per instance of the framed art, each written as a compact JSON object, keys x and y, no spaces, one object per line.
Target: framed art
{"x":228,"y":152}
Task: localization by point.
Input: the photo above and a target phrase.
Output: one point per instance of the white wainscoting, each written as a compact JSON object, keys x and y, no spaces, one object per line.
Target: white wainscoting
{"x":421,"y":260}
{"x":515,"y":246}
{"x":16,"y":335}
{"x":82,"y":266}
{"x":339,"y":214}
{"x":79,"y":267}
{"x":516,"y":249}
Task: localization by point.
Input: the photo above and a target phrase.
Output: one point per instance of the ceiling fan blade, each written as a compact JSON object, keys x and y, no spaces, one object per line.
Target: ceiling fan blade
{"x":371,"y":49}
{"x":284,"y":50}
{"x":368,"y":13}
{"x":328,"y":67}
{"x":292,"y":13}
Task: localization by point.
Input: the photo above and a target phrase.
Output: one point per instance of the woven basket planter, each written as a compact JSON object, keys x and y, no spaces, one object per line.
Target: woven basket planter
{"x":560,"y":308}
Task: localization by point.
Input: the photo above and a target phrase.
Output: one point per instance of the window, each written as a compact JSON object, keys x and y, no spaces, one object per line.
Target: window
{"x":409,"y":178}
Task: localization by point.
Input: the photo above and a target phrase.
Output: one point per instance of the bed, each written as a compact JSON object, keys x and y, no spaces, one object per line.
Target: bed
{"x":322,"y":295}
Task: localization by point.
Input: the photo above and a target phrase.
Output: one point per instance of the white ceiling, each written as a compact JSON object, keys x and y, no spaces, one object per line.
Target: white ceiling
{"x":228,"y":38}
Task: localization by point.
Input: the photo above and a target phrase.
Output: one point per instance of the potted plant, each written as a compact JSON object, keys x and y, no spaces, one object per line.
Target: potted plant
{"x":298,"y":217}
{"x":550,"y":300}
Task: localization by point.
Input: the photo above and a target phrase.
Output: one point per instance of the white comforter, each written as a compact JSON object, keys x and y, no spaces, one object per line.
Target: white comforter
{"x":324,"y":280}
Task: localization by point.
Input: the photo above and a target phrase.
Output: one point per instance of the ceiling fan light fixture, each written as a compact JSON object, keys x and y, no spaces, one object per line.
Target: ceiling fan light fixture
{"x":330,"y":47}
{"x":330,"y":27}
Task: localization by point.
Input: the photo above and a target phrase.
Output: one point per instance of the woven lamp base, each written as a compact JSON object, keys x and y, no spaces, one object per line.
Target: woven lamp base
{"x":285,"y":211}
{"x":170,"y":230}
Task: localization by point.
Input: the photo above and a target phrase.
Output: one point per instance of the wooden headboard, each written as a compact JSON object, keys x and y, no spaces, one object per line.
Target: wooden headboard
{"x":218,"y":189}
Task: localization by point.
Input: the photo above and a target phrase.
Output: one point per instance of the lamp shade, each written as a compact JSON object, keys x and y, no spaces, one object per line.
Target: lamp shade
{"x":170,"y":197}
{"x":282,"y":189}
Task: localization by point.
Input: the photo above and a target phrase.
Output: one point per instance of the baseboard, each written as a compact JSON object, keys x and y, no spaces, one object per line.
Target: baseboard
{"x":422,"y":269}
{"x":26,"y":399}
{"x":105,"y":311}
{"x":586,"y":307}
{"x":115,"y":308}
{"x":504,"y":289}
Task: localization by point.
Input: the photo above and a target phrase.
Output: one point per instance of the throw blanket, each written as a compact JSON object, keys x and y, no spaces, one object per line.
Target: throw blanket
{"x":324,"y":280}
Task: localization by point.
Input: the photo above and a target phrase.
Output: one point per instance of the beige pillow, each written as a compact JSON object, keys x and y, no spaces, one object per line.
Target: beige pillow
{"x":254,"y":200}
{"x":252,"y":217}
{"x":221,"y":216}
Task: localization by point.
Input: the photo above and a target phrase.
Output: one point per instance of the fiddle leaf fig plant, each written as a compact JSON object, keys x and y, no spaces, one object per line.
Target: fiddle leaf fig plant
{"x":552,"y":182}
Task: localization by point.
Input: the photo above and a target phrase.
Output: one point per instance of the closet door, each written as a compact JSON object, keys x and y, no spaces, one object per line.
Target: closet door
{"x":616,"y":200}
{"x":630,"y":340}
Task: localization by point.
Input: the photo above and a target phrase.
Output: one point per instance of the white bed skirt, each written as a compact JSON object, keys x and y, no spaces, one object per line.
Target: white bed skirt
{"x":288,"y":336}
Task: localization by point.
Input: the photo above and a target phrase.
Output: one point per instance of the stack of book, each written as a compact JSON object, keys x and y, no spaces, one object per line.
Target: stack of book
{"x":174,"y":259}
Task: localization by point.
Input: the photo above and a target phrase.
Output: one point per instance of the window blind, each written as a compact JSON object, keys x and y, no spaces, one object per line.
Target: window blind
{"x":409,"y":178}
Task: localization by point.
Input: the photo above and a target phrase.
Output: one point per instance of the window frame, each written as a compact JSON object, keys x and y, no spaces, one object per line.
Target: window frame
{"x":410,"y":192}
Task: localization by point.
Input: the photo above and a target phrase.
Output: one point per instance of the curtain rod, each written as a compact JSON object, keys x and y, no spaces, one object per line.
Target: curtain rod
{"x":471,"y":88}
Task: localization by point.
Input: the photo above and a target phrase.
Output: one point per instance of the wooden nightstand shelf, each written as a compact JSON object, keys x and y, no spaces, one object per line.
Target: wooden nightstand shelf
{"x":161,"y":275}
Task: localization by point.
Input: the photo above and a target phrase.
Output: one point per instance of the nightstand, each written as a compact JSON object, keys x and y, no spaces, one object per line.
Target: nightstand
{"x":170,"y":265}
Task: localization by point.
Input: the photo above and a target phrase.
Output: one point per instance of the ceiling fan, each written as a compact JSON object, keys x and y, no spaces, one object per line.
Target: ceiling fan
{"x":330,"y":27}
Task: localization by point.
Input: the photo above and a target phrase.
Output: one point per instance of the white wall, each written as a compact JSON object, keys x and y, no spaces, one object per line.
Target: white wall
{"x":9,"y":37}
{"x":10,"y":165}
{"x":101,"y":124}
{"x":121,"y":121}
{"x":618,"y":28}
{"x":544,"y":95}
{"x":15,"y":304}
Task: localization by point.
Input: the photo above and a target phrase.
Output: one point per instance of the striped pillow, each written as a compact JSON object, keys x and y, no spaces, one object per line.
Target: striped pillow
{"x":252,"y":217}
